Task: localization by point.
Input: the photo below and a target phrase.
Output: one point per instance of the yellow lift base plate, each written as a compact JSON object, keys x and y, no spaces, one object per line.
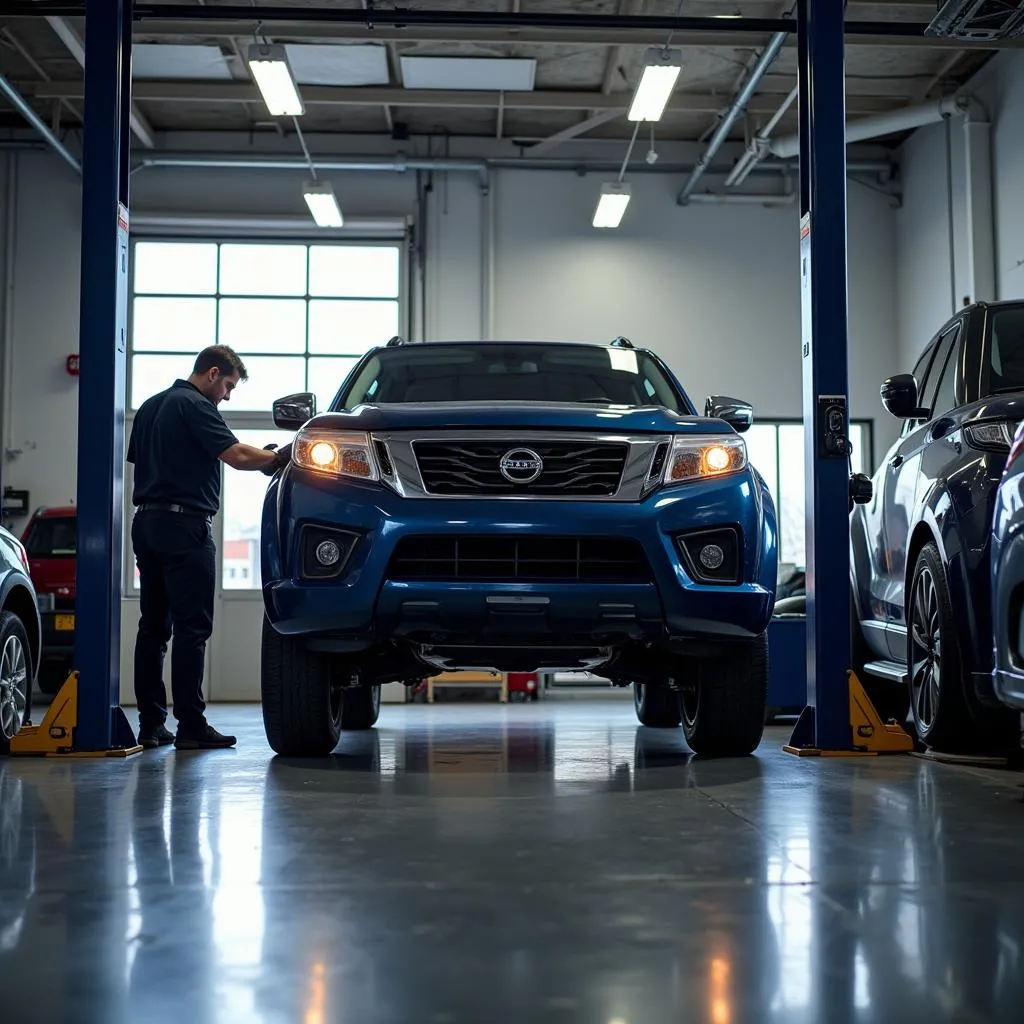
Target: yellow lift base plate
{"x":55,"y":735}
{"x":870,"y":736}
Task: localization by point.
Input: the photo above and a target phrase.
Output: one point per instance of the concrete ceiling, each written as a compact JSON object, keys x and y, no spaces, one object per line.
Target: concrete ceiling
{"x":579,"y":72}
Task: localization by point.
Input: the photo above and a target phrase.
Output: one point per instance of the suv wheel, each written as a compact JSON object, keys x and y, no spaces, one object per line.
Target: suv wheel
{"x":15,"y":678}
{"x":724,"y":708}
{"x":302,"y":710}
{"x":944,"y":716}
{"x":360,"y":707}
{"x":656,"y":705}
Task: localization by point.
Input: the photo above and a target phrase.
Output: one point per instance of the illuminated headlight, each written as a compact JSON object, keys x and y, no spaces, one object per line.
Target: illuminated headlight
{"x":993,"y":437}
{"x":698,"y":458}
{"x":336,"y":453}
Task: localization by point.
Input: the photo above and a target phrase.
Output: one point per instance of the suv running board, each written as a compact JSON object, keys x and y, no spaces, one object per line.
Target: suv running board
{"x":893,"y":671}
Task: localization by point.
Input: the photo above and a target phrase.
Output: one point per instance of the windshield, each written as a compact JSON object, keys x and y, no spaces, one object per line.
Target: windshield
{"x":500,"y":372}
{"x":1007,"y":348}
{"x":52,"y":538}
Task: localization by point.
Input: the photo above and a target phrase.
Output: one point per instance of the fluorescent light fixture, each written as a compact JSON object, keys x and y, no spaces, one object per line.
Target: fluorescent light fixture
{"x":323,"y":204}
{"x":611,"y":206}
{"x":661,"y":69}
{"x":268,"y":65}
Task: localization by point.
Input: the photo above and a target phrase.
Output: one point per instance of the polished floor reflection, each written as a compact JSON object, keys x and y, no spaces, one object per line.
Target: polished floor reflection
{"x":539,"y":863}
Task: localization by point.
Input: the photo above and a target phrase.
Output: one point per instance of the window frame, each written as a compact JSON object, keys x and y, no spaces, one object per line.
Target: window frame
{"x":955,"y":333}
{"x":248,"y":419}
{"x":788,"y":421}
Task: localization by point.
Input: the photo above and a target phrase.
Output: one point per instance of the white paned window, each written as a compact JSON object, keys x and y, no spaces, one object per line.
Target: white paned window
{"x":282,"y":307}
{"x":776,"y":450}
{"x":242,"y":506}
{"x":299,"y":315}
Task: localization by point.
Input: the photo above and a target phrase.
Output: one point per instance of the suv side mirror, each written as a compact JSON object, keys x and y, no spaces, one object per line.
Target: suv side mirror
{"x":294,"y":411}
{"x":899,"y":397}
{"x":738,"y":414}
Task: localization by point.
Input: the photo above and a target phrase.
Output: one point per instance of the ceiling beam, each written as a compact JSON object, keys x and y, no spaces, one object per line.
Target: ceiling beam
{"x":161,"y":30}
{"x":572,"y":132}
{"x":67,"y":35}
{"x":363,"y":96}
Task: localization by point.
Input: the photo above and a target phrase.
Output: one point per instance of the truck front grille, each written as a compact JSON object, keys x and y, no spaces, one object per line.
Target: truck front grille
{"x":591,"y":469}
{"x":520,"y":560}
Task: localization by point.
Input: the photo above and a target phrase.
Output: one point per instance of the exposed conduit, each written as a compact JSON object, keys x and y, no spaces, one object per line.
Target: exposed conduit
{"x":481,"y":168}
{"x":889,"y":123}
{"x":771,"y":51}
{"x":39,"y":124}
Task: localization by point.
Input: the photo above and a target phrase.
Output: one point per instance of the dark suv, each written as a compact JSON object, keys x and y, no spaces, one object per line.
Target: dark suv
{"x":920,"y":549}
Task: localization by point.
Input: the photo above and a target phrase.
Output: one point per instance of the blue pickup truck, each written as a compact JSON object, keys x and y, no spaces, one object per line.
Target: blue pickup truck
{"x":516,"y":507}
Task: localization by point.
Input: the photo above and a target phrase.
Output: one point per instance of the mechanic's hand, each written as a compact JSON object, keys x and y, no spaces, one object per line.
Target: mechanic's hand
{"x":280,"y":460}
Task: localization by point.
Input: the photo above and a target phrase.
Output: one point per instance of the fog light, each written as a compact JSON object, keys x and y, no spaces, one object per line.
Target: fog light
{"x":711,"y":557}
{"x":328,"y":553}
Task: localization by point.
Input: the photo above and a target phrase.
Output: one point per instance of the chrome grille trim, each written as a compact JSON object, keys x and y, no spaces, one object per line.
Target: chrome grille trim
{"x":407,"y":481}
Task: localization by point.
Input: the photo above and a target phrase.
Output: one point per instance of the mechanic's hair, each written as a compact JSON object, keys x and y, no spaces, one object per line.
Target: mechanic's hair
{"x":223,"y":358}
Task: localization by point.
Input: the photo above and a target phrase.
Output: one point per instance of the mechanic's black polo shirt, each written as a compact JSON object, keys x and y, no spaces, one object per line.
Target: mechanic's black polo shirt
{"x":176,"y":441}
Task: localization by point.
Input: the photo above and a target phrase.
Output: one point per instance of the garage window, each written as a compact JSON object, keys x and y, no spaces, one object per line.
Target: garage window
{"x":300,"y":316}
{"x":777,"y":451}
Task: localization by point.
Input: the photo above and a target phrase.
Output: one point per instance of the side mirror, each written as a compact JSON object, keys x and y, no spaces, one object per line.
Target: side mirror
{"x":899,"y":397}
{"x":294,"y":411}
{"x":738,"y":414}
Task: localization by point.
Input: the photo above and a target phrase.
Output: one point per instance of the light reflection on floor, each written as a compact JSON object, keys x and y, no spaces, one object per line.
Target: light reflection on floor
{"x":543,"y":862}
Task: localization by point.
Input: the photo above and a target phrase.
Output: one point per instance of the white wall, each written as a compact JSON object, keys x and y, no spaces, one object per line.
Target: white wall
{"x":715,"y":289}
{"x":926,"y":297}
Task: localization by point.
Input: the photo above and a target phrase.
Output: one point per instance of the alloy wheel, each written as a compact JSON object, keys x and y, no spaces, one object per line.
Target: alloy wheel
{"x":926,"y":650}
{"x":13,"y":686}
{"x":689,"y":703}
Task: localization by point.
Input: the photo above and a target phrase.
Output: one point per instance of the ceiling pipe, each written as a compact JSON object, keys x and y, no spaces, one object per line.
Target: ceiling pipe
{"x":744,"y":198}
{"x":874,"y":127}
{"x":739,"y":103}
{"x":759,"y":145}
{"x":37,"y":122}
{"x":482,"y":167}
{"x":399,"y":165}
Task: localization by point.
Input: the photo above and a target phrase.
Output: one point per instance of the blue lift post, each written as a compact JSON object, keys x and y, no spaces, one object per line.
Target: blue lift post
{"x":839,"y":719}
{"x":102,"y":724}
{"x":825,"y":723}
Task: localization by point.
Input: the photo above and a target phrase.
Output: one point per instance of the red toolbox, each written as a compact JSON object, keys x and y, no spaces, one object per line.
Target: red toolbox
{"x":523,"y":686}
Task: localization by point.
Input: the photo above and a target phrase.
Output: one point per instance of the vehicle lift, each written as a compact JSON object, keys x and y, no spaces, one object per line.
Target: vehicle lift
{"x":86,"y":717}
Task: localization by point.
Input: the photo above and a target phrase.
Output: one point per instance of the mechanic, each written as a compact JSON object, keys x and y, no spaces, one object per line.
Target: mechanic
{"x":177,"y":443}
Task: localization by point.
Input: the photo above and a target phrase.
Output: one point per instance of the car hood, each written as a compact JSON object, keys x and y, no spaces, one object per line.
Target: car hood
{"x":519,"y":416}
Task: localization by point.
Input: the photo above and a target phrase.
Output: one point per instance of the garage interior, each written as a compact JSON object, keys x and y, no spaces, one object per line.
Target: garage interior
{"x":478,"y":858}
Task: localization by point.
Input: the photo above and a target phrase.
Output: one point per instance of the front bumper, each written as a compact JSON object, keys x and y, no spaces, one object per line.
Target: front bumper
{"x":367,"y":607}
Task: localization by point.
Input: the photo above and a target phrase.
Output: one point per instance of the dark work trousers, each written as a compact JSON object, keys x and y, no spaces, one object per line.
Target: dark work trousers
{"x":177,"y":569}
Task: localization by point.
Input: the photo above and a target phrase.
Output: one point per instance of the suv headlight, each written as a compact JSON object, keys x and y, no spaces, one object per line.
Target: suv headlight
{"x":335,"y":453}
{"x":700,"y":458}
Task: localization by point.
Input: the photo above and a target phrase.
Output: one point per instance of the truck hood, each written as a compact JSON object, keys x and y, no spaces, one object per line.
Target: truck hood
{"x":519,"y":416}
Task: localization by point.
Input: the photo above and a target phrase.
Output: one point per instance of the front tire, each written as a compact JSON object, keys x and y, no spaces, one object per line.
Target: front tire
{"x":944,"y":716}
{"x":302,"y":708}
{"x":656,"y":706}
{"x":725,"y":707}
{"x":15,"y":678}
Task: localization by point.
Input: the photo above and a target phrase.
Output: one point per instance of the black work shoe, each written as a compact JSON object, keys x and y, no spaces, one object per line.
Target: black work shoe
{"x":159,"y":736}
{"x":203,"y":738}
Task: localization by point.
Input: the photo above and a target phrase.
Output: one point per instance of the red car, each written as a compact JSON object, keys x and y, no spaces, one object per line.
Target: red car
{"x":50,"y":540}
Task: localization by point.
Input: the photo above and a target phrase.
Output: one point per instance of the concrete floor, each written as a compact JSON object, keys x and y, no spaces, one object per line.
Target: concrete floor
{"x":535,"y":863}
